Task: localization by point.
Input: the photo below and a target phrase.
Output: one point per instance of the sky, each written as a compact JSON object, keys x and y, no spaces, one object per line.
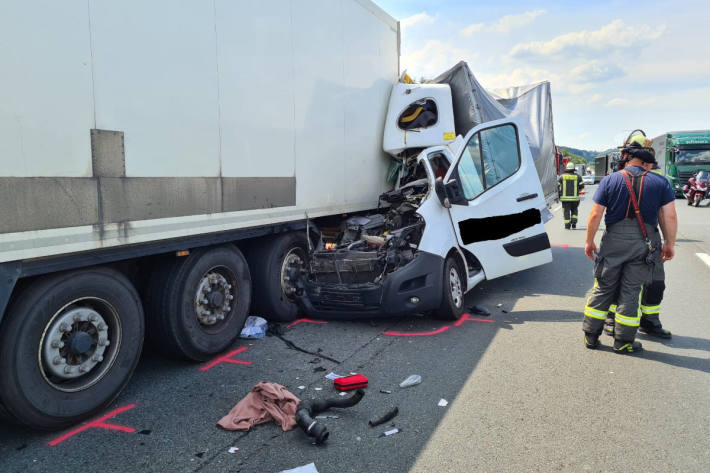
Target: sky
{"x":613,"y":66}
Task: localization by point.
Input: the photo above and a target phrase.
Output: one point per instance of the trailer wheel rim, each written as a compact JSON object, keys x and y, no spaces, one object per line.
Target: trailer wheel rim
{"x":216,"y":298}
{"x":455,"y":287}
{"x":79,"y":344}
{"x":293,"y":262}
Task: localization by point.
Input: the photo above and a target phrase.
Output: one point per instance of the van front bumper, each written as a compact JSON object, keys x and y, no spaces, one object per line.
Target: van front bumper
{"x":414,"y":288}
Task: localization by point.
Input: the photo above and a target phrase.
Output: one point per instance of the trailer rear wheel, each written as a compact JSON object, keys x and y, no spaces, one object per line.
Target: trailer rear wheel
{"x":196,"y":306}
{"x":271,"y":262}
{"x":68,"y":347}
{"x":452,"y":300}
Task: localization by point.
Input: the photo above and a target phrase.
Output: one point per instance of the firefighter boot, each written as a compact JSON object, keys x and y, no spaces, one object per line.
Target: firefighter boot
{"x":627,"y":347}
{"x":591,"y":341}
{"x":655,"y":331}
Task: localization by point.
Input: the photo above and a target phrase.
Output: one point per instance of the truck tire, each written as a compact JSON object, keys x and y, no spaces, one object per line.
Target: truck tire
{"x":269,"y":260}
{"x":196,"y":306}
{"x":452,"y":299}
{"x":87,"y":328}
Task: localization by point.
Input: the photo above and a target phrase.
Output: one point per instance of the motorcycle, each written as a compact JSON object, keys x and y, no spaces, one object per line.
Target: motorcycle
{"x":697,"y":188}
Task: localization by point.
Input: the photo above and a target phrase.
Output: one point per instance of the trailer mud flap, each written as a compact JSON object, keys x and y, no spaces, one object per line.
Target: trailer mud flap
{"x":9,"y":273}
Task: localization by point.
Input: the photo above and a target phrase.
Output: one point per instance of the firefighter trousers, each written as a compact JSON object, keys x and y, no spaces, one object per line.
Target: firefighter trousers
{"x":620,"y":272}
{"x":651,"y":299}
{"x":570,"y":212}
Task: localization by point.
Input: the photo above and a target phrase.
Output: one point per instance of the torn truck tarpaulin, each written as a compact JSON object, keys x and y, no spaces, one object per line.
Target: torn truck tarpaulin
{"x":530,"y":104}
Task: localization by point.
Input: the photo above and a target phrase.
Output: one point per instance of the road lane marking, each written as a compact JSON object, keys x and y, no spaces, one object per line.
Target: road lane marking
{"x":704,"y":258}
{"x":557,"y":208}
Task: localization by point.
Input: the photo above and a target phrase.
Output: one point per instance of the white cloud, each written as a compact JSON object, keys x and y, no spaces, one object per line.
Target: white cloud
{"x":474,"y":28}
{"x":614,"y":36}
{"x":618,"y":102}
{"x":505,"y":24}
{"x":595,"y":71}
{"x":419,"y":18}
{"x":518,"y":76}
{"x":434,"y":58}
{"x":596,"y":98}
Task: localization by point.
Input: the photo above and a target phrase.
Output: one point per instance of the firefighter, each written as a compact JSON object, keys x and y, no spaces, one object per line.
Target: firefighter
{"x":569,"y":185}
{"x":627,"y":255}
{"x":652,"y":293}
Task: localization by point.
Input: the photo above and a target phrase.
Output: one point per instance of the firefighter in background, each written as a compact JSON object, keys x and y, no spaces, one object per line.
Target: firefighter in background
{"x":569,"y":186}
{"x":652,"y":294}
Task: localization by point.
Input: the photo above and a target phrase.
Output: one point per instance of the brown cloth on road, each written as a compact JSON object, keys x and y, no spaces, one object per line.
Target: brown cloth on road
{"x":266,"y":402}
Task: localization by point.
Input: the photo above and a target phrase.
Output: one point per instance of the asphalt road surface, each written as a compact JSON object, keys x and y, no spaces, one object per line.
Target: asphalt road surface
{"x":523,"y":393}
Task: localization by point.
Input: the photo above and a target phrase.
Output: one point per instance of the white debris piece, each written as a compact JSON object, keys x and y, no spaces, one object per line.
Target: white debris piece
{"x":443,"y":403}
{"x":310,"y":468}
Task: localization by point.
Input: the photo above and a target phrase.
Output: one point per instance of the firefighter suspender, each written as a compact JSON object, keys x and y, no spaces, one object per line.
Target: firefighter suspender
{"x":635,"y":203}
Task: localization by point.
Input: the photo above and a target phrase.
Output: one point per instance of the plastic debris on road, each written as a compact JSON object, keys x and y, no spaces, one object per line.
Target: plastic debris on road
{"x":310,"y":468}
{"x":385,"y":391}
{"x":254,"y":327}
{"x":332,"y":376}
{"x":411,"y":381}
{"x":233,"y":450}
{"x":443,"y":403}
{"x":389,"y":432}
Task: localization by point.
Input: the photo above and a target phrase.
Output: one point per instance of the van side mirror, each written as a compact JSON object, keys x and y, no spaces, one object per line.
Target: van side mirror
{"x":450,"y":193}
{"x":441,"y":192}
{"x":455,"y":193}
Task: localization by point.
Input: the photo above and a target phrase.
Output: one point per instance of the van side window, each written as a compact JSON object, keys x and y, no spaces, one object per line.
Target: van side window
{"x":420,"y":114}
{"x":501,"y":156}
{"x":489,"y":157}
{"x":469,"y":169}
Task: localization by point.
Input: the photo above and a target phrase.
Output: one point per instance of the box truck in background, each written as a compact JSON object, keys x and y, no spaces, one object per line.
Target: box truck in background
{"x":167,"y":168}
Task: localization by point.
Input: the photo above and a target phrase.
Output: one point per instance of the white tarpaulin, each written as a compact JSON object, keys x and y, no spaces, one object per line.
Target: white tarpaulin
{"x":530,"y":104}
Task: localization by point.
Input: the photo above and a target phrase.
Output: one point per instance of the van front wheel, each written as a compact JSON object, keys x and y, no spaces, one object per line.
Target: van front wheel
{"x":452,"y":300}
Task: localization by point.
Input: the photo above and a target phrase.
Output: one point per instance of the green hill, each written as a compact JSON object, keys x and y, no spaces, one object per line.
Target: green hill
{"x":585,"y":155}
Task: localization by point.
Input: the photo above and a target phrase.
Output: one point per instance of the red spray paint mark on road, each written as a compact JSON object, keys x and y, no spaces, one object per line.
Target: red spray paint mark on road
{"x":563,"y":245}
{"x":468,"y":318}
{"x":98,"y":424}
{"x":458,"y":323}
{"x":226,"y":359}
{"x":305,"y":321}
{"x":418,"y":334}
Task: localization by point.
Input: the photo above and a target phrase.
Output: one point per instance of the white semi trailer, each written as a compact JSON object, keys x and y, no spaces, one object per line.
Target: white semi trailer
{"x":143,"y":146}
{"x":167,"y":168}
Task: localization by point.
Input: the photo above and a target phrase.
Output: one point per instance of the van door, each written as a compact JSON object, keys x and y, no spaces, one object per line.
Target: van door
{"x":497,"y":200}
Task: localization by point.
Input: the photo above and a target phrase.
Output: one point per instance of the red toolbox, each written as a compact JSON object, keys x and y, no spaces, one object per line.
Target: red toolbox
{"x":346,"y":383}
